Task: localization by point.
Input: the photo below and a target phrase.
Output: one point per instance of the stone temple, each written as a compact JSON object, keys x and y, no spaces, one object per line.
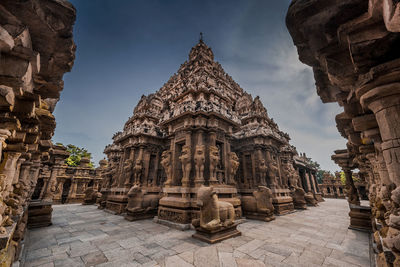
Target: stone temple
{"x":202,"y":129}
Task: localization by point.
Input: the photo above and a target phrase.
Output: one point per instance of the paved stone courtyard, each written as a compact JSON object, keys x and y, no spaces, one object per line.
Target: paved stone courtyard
{"x":85,"y":236}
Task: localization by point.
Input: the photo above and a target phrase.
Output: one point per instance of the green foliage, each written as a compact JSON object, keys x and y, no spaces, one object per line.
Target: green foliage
{"x":343,"y":178}
{"x":76,"y":154}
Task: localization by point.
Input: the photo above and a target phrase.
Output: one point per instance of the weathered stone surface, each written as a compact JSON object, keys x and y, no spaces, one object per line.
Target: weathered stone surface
{"x":351,"y":48}
{"x":314,"y":237}
{"x":36,"y":48}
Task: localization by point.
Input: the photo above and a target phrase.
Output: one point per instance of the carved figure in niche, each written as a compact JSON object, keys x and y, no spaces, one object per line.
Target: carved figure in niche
{"x":214,"y":214}
{"x":138,"y":201}
{"x":128,"y":171}
{"x":114,"y":174}
{"x":185,"y":159}
{"x":262,"y":167}
{"x":272,"y":170}
{"x":52,"y":189}
{"x":233,"y":167}
{"x":166,"y":163}
{"x":259,"y":204}
{"x":5,"y":211}
{"x":214,"y":160}
{"x":137,"y":171}
{"x":199,"y":159}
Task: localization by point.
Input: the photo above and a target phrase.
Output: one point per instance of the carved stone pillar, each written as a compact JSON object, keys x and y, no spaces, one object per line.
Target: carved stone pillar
{"x":199,"y":159}
{"x":308,"y":181}
{"x":384,"y":101}
{"x":17,"y":170}
{"x":74,"y":187}
{"x":186,"y":159}
{"x":9,"y":170}
{"x":52,"y":184}
{"x":4,"y":134}
{"x":24,"y":173}
{"x":352,"y":195}
{"x":312,"y":178}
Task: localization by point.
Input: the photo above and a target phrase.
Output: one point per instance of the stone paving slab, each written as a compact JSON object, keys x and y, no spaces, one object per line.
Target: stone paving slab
{"x":86,"y":236}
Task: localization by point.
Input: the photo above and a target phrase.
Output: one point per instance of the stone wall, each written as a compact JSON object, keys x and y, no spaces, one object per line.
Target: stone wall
{"x":352,"y":46}
{"x":36,"y":49}
{"x":70,"y":182}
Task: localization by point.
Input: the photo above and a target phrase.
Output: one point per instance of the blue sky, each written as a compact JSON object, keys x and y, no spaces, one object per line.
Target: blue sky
{"x":128,"y":48}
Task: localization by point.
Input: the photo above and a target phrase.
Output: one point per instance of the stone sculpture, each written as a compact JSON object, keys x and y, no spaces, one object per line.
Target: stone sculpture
{"x":214,"y":160}
{"x":297,"y":192}
{"x":259,"y":206}
{"x":199,"y":159}
{"x":262,"y":167}
{"x":166,"y":163}
{"x":185,"y":159}
{"x":137,"y":171}
{"x":141,"y":205}
{"x":273,"y":171}
{"x":128,"y":164}
{"x":234,"y":166}
{"x":217,"y":218}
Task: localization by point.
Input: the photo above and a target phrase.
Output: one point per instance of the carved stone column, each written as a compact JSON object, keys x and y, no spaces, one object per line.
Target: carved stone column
{"x":9,"y":170}
{"x":4,"y":134}
{"x":352,"y":195}
{"x":199,"y":159}
{"x":308,"y":181}
{"x":384,"y":101}
{"x":17,"y":170}
{"x":186,"y":159}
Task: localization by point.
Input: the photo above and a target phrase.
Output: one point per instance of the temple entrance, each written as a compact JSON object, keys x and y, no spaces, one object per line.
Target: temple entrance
{"x":38,"y":189}
{"x":65,"y":191}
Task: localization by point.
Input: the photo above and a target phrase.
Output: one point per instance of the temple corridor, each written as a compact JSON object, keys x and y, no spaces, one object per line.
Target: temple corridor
{"x":86,"y":236}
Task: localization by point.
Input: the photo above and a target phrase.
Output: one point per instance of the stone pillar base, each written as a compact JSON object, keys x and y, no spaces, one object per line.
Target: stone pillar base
{"x":117,"y":201}
{"x":360,"y":218}
{"x":215,"y":236}
{"x":318,"y":197}
{"x":282,"y":201}
{"x":310,"y":199}
{"x":259,"y":216}
{"x":140,"y":214}
{"x":39,"y":213}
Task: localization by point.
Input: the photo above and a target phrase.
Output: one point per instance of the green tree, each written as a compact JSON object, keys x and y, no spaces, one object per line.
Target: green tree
{"x":76,"y":154}
{"x":343,"y":178}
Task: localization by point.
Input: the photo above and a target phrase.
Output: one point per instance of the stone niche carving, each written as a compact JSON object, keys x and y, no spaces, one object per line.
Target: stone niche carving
{"x":141,"y":205}
{"x":199,"y":159}
{"x":259,"y":205}
{"x":233,"y":167}
{"x":214,"y":160}
{"x":128,"y":165}
{"x":297,"y":192}
{"x":262,"y":167}
{"x":137,"y":171}
{"x":217,"y":218}
{"x":167,"y":165}
{"x":185,"y":159}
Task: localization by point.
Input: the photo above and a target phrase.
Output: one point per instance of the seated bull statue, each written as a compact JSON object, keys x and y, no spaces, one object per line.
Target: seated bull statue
{"x":217,"y":218}
{"x":214,"y":214}
{"x":90,"y":196}
{"x":259,"y":205}
{"x":140,"y":204}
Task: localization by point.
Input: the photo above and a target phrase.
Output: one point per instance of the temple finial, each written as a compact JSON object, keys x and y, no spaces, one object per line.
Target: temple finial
{"x":201,"y":37}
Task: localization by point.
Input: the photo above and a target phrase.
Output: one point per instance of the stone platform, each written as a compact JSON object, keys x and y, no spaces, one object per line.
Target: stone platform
{"x":84,"y":235}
